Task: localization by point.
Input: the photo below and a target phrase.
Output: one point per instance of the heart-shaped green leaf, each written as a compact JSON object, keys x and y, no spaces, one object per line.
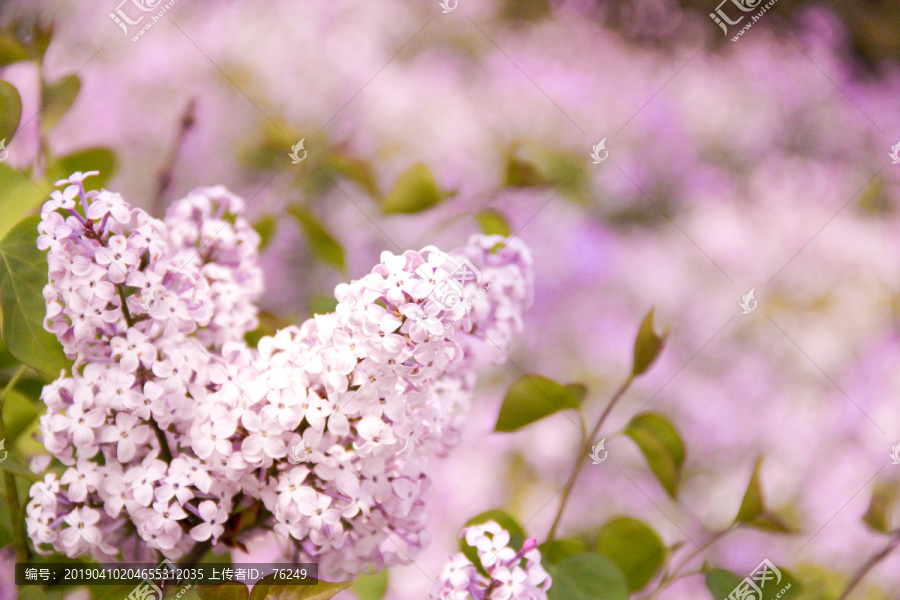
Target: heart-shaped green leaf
{"x":23,"y":275}
{"x":531,"y":398}
{"x":268,"y":589}
{"x":634,"y":547}
{"x":661,"y":445}
{"x":10,"y":113}
{"x":321,"y":242}
{"x":587,"y":577}
{"x":415,"y":191}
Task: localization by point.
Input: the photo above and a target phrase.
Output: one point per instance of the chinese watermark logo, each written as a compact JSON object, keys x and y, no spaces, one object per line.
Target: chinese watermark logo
{"x":4,"y":452}
{"x":148,"y":590}
{"x":894,"y":153}
{"x":748,"y":303}
{"x":601,"y":147}
{"x":124,"y":20}
{"x":296,"y":159}
{"x":150,"y":298}
{"x":447,"y":295}
{"x":595,"y":456}
{"x":297,"y":454}
{"x":4,"y":153}
{"x":751,"y":588}
{"x":722,"y":19}
{"x":449,"y":5}
{"x":895,"y":454}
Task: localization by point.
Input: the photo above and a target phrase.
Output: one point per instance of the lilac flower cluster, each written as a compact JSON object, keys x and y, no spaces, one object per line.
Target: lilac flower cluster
{"x":171,"y":424}
{"x":511,"y":574}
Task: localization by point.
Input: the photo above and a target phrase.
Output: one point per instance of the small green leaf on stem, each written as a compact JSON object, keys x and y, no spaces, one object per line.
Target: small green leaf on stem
{"x":753,"y":505}
{"x":531,"y":398}
{"x":267,"y":589}
{"x":557,"y":551}
{"x":357,"y":170}
{"x":522,"y":173}
{"x":10,"y":111}
{"x":587,"y":576}
{"x":265,"y":227}
{"x":11,"y":49}
{"x":578,"y":390}
{"x":492,"y":222}
{"x":647,"y":346}
{"x":23,"y":274}
{"x":371,"y":587}
{"x":879,"y":515}
{"x":661,"y":445}
{"x":321,"y":242}
{"x":721,"y":582}
{"x":58,"y":98}
{"x":89,"y":159}
{"x":634,"y":547}
{"x":416,"y":190}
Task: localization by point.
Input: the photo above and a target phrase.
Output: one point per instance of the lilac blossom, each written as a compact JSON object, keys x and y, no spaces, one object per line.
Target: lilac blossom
{"x":170,"y":422}
{"x":511,"y":574}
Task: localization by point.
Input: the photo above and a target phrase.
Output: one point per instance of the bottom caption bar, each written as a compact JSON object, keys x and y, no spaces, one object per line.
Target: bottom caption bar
{"x":164,"y":573}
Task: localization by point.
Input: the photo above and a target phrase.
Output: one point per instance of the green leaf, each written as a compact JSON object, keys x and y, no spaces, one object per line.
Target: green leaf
{"x":492,"y":223}
{"x":321,"y":243}
{"x":11,"y":49}
{"x":371,"y":587}
{"x":10,"y":111}
{"x":504,"y":520}
{"x":661,"y":445}
{"x":721,"y":582}
{"x":18,"y":197}
{"x":531,"y":398}
{"x":579,"y":390}
{"x":58,"y":98}
{"x":568,"y":173}
{"x":634,"y":547}
{"x":559,"y":550}
{"x":225,"y":591}
{"x":322,"y":304}
{"x":647,"y":346}
{"x":753,"y":505}
{"x":753,"y":511}
{"x":587,"y":577}
{"x":357,"y":170}
{"x":23,"y":274}
{"x":879,"y":515}
{"x":90,"y":159}
{"x":265,"y":227}
{"x":415,"y":191}
{"x":522,"y":173}
{"x":266,"y":589}
{"x":18,"y":413}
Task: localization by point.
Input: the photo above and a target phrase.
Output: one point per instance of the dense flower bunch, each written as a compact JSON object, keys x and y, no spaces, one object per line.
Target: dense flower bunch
{"x":511,"y":574}
{"x":171,"y":424}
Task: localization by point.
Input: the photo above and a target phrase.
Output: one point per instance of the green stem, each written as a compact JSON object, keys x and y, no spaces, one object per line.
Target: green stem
{"x":583,"y":452}
{"x":674,"y":575}
{"x":869,"y":565}
{"x":20,"y":538}
{"x":164,"y":451}
{"x":128,"y":318}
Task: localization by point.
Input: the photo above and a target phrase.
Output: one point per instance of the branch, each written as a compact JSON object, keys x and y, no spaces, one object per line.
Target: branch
{"x":583,"y":452}
{"x":869,"y":565}
{"x":165,"y":174}
{"x":9,"y":482}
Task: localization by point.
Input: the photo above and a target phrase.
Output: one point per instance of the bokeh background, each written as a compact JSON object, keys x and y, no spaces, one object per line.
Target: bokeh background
{"x":759,"y":164}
